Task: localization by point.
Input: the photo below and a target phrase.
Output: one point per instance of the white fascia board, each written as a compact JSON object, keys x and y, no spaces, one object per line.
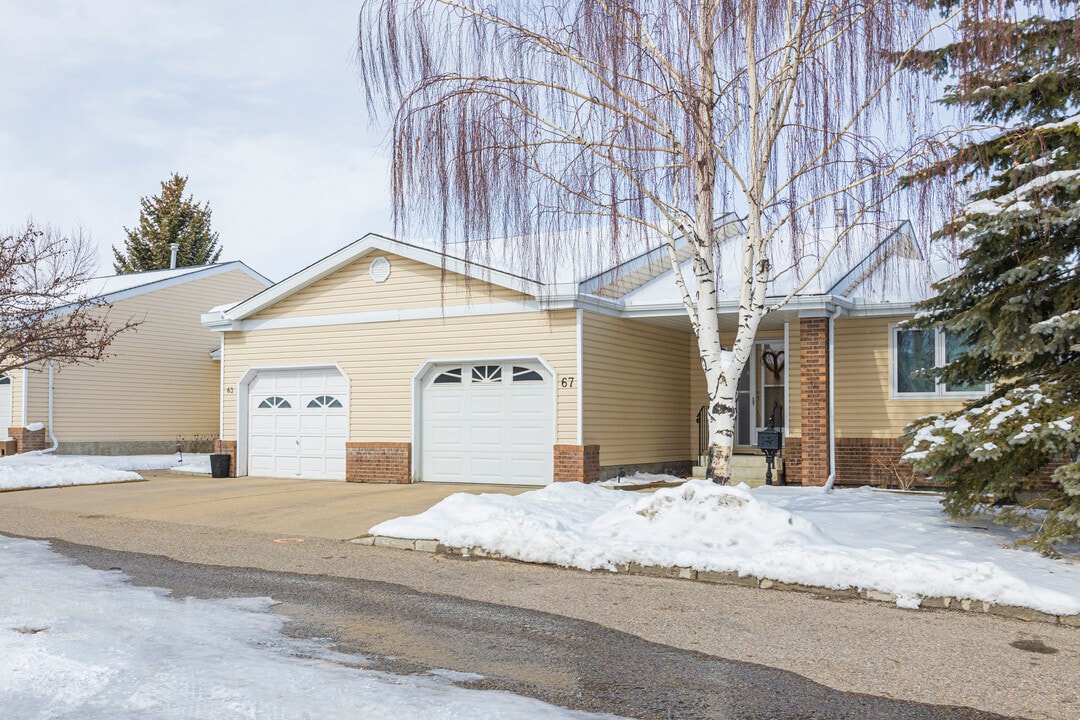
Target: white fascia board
{"x":861,"y":309}
{"x":364,"y":246}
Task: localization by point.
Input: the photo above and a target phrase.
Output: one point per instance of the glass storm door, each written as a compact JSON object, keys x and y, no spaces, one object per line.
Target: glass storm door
{"x":761,"y":392}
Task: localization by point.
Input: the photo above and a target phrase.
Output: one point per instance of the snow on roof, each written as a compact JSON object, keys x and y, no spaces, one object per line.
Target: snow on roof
{"x":110,"y":288}
{"x":109,"y":284}
{"x":872,"y":262}
{"x":571,"y":256}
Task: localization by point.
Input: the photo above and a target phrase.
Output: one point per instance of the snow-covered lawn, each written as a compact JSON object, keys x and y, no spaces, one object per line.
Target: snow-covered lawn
{"x":854,"y":538}
{"x":82,"y":643}
{"x":40,"y":470}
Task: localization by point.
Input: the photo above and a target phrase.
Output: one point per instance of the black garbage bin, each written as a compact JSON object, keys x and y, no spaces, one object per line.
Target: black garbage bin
{"x":219,"y":465}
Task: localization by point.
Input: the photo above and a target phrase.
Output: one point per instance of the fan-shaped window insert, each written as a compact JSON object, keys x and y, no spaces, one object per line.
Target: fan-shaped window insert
{"x":324,"y":401}
{"x":486,"y":373}
{"x":5,"y":379}
{"x":453,"y":375}
{"x":274,"y":402}
{"x":524,"y":374}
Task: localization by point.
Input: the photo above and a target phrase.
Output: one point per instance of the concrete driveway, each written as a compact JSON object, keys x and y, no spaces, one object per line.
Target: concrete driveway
{"x":304,"y":508}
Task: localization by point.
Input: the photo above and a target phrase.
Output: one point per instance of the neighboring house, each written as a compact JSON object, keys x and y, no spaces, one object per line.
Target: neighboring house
{"x":392,"y":362}
{"x":158,"y":385}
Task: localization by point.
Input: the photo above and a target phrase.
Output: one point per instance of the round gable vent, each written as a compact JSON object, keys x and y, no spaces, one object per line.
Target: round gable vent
{"x":380,"y":269}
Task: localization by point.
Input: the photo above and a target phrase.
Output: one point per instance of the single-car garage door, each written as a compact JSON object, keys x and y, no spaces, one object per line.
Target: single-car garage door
{"x":297,"y":423}
{"x":487,"y":423}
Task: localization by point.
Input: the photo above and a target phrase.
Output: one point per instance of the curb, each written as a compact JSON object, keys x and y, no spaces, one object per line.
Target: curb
{"x":733,"y":578}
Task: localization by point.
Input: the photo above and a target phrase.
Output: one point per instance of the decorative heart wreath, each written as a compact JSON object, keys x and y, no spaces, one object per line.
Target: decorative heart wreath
{"x":773,"y":360}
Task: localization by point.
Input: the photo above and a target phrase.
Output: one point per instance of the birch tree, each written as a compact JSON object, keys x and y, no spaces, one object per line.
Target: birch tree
{"x":537,"y":120}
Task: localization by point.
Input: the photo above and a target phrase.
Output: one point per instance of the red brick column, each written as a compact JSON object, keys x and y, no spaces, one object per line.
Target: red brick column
{"x":577,"y":463}
{"x":227,"y":447}
{"x":814,"y":386}
{"x":378,"y":462}
{"x":29,"y":440}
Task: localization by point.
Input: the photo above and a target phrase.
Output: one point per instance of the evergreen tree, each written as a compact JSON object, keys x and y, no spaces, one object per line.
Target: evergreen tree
{"x":167,"y":218}
{"x":1013,"y":310}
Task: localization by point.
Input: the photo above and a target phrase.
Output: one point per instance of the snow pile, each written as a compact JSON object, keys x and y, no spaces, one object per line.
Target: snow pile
{"x":642,"y":478}
{"x":42,"y":470}
{"x":899,"y":544}
{"x":76,"y":642}
{"x":38,"y":470}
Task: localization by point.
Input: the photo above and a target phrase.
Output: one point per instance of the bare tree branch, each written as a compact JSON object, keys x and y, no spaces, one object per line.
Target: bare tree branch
{"x":48,"y":309}
{"x":536,"y":120}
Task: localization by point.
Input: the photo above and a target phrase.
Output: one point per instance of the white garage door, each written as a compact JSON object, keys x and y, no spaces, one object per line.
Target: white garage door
{"x":487,"y":423}
{"x":5,"y":404}
{"x":298,"y":421}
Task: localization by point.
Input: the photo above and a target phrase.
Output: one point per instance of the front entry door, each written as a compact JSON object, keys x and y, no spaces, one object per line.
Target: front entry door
{"x":761,"y":392}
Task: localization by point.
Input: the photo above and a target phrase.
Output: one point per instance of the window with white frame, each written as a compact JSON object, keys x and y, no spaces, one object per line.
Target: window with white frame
{"x":912,"y":351}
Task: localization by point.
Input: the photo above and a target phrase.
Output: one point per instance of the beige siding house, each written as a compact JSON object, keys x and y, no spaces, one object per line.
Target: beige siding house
{"x":396,"y":362}
{"x":161,"y":383}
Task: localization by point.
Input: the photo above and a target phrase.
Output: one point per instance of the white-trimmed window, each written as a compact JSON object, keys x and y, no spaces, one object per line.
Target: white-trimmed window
{"x":911,"y":351}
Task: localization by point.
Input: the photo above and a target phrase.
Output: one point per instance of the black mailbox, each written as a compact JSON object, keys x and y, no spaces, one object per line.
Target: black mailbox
{"x":769,"y":440}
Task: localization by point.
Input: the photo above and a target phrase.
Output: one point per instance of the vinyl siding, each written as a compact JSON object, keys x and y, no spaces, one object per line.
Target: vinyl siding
{"x":636,"y":390}
{"x":380,"y":360}
{"x":411,"y":284}
{"x":863,"y":407}
{"x":159,"y":381}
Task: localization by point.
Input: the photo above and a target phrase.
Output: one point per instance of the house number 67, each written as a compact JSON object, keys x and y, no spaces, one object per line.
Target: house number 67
{"x":567,"y":382}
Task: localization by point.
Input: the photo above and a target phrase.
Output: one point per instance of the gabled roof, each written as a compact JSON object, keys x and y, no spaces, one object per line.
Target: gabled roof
{"x":852,"y":269}
{"x":364,"y":246}
{"x":112,"y":288}
{"x":574,"y":275}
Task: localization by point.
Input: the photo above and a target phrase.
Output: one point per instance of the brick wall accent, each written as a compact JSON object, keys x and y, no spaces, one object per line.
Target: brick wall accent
{"x":577,"y":463}
{"x":876,"y":461}
{"x":792,"y":454}
{"x":814,"y":384}
{"x":227,"y":447}
{"x":29,"y":440}
{"x":378,"y":462}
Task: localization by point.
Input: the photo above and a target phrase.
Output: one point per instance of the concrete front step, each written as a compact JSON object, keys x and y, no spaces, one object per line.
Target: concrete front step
{"x":749,"y":469}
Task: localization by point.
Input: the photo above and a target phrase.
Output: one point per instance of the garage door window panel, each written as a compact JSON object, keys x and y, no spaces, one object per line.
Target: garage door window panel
{"x":273,"y":403}
{"x":325,"y":401}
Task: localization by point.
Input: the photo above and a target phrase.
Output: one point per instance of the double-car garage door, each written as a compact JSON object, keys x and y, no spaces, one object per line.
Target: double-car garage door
{"x":482,"y":422}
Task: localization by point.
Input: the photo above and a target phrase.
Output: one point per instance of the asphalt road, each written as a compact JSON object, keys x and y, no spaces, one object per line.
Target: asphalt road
{"x":559,"y":660}
{"x":285,"y":539}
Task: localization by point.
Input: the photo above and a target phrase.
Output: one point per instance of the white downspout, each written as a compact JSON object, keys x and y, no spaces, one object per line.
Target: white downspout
{"x":221,"y":387}
{"x":25,"y":396}
{"x":52,"y":435}
{"x":832,"y":402}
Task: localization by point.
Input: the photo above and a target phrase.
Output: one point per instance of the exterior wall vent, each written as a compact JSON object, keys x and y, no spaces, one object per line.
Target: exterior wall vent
{"x":380,"y":269}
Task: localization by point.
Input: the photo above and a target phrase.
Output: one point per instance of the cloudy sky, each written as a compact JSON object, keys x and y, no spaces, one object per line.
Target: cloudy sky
{"x":257,"y":102}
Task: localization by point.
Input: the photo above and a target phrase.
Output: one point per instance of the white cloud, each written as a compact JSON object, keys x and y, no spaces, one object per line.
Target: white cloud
{"x":257,"y":102}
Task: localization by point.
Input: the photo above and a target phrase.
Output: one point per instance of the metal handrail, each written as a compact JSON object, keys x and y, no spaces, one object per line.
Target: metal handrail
{"x":703,"y":430}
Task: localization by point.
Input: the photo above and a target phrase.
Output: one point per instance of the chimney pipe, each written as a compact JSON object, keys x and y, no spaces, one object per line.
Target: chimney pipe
{"x":840,"y":212}
{"x":173,"y":249}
